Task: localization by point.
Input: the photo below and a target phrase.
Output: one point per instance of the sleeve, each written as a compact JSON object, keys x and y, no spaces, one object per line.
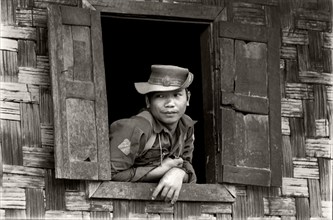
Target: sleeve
{"x":188,"y":155}
{"x":127,"y":140}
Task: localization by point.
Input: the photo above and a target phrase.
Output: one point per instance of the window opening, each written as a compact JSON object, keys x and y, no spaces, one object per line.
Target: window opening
{"x":131,"y":46}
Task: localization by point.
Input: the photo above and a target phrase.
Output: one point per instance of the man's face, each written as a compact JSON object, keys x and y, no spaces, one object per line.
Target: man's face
{"x":169,"y":107}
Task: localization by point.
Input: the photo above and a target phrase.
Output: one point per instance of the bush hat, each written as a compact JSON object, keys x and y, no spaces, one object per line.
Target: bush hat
{"x":165,"y":78}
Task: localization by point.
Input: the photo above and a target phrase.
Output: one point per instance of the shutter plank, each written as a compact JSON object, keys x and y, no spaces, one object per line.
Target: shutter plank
{"x":101,"y":99}
{"x":82,"y":53}
{"x":245,"y":103}
{"x":84,"y":90}
{"x":78,"y":82}
{"x":68,"y":52}
{"x":251,"y":68}
{"x":55,"y":30}
{"x":228,"y":69}
{"x":245,"y":175}
{"x":75,"y":16}
{"x":243,"y":32}
{"x":274,"y":96}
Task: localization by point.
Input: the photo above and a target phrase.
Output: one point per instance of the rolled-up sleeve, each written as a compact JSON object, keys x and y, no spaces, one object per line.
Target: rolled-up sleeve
{"x":187,"y":156}
{"x":126,"y":142}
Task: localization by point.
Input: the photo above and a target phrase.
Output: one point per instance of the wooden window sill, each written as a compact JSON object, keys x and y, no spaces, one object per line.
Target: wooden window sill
{"x":143,"y":191}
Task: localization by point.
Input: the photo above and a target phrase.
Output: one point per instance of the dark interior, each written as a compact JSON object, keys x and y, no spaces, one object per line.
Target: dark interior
{"x":131,"y":46}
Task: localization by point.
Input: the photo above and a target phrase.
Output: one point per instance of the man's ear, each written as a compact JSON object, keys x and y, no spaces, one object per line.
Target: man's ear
{"x":147,"y":101}
{"x":188,"y":98}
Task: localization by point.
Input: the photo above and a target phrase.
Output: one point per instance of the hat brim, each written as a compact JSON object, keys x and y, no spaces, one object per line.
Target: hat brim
{"x":146,"y":87}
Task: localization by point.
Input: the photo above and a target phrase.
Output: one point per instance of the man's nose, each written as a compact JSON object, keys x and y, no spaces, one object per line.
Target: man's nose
{"x":169,"y":102}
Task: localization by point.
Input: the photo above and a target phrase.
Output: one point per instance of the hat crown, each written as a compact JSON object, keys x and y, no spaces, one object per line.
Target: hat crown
{"x":168,"y":75}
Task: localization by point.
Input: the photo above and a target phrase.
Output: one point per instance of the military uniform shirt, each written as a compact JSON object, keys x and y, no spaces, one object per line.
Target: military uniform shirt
{"x":130,"y":161}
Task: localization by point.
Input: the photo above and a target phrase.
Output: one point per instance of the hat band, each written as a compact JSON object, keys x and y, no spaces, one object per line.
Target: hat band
{"x":165,"y":81}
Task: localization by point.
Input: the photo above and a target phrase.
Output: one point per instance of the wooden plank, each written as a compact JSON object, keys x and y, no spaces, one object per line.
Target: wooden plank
{"x":121,"y":209}
{"x":298,"y":91}
{"x":228,"y":68}
{"x":319,"y":147}
{"x":306,"y":168}
{"x":297,"y":137}
{"x":142,"y":191}
{"x":320,"y":103}
{"x":14,"y":214}
{"x":252,"y":141}
{"x":26,"y":33}
{"x":316,"y":77}
{"x":54,"y":191}
{"x":26,"y":53}
{"x":210,"y":136}
{"x":216,"y":208}
{"x":11,"y":142}
{"x":159,"y":207}
{"x":39,"y":17}
{"x":274,"y":105}
{"x":33,"y":76}
{"x":82,"y":53}
{"x":298,"y":37}
{"x":302,"y":208}
{"x":245,"y":103}
{"x":100,"y":205}
{"x":295,"y":187}
{"x":255,"y":201}
{"x":322,"y":128}
{"x":327,"y":60}
{"x":76,"y":201}
{"x":325,"y":174}
{"x":8,"y":44}
{"x":68,"y":56}
{"x":59,"y":214}
{"x":186,"y":11}
{"x":41,"y":44}
{"x":34,"y":92}
{"x":251,"y":68}
{"x":10,"y":111}
{"x":30,"y":125}
{"x":228,"y":155}
{"x":23,"y":181}
{"x":8,"y":11}
{"x":239,"y":208}
{"x":35,"y":203}
{"x":46,"y":111}
{"x":285,"y":126}
{"x":314,"y":198}
{"x":61,"y":153}
{"x":288,"y":52}
{"x":8,"y":69}
{"x":248,"y":13}
{"x":17,"y":92}
{"x":276,"y":206}
{"x":243,"y":32}
{"x":80,"y":89}
{"x":246,"y":175}
{"x":100,"y":215}
{"x":47,"y":135}
{"x":291,"y":108}
{"x":12,"y":198}
{"x":38,"y":157}
{"x":23,"y":17}
{"x":75,"y":16}
{"x":287,"y":157}
{"x":104,"y":169}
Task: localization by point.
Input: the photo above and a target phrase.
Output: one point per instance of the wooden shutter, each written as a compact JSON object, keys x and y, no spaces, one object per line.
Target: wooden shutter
{"x":79,"y":94}
{"x":250,"y":105}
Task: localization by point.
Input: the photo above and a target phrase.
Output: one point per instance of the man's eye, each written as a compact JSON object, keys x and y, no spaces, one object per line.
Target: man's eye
{"x":178,"y":94}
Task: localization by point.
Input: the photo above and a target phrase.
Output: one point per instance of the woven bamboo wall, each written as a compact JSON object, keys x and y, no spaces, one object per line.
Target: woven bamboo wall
{"x":29,"y":189}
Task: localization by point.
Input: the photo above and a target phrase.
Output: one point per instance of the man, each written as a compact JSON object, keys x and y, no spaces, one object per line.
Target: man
{"x":157,"y":144}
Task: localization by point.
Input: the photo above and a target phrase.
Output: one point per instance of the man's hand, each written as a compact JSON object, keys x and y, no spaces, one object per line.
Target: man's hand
{"x":170,"y":185}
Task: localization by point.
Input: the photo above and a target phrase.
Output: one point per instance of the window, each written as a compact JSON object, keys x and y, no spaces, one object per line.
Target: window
{"x":240,"y":87}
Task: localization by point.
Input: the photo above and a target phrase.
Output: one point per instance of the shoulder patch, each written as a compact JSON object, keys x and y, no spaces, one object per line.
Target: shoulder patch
{"x":125,"y":146}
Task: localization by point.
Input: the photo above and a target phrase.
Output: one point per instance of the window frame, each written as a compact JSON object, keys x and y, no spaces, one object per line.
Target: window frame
{"x":185,"y":13}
